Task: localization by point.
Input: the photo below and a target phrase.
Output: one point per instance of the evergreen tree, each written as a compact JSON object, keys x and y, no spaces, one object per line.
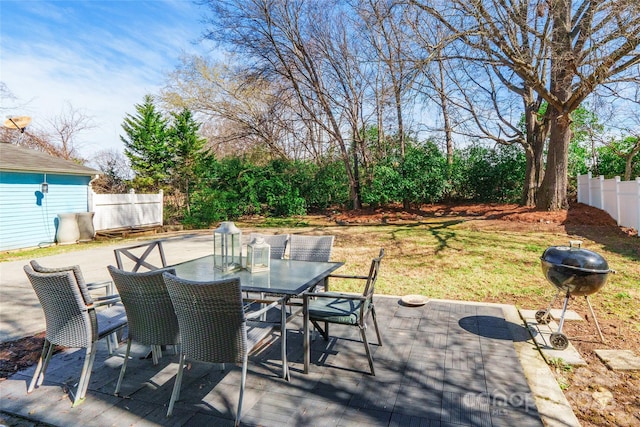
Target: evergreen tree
{"x":147,"y":146}
{"x":187,"y":147}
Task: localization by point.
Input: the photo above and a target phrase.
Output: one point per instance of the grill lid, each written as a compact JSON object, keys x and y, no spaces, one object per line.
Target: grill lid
{"x":576,"y":258}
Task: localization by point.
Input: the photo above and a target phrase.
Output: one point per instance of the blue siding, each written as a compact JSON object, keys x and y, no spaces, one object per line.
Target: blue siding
{"x":28,"y":218}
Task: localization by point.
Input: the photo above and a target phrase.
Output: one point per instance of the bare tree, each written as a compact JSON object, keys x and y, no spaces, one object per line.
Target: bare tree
{"x":504,"y":112}
{"x":480,"y":100}
{"x":620,"y":104}
{"x":304,"y":45}
{"x":386,"y":24}
{"x":116,"y":172}
{"x":9,"y":104}
{"x":590,"y":43}
{"x":246,"y":111}
{"x":65,"y":129}
{"x":8,"y":98}
{"x":435,"y":84}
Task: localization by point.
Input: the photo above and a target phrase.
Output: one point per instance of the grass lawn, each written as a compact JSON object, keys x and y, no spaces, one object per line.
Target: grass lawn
{"x":462,"y":259}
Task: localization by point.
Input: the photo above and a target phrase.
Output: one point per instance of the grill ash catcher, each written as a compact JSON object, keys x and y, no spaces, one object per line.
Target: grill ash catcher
{"x":575,"y":272}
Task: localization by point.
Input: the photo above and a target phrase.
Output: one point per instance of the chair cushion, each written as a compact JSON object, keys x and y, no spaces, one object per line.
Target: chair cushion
{"x":338,"y":310}
{"x":258,"y":331}
{"x":111,"y":319}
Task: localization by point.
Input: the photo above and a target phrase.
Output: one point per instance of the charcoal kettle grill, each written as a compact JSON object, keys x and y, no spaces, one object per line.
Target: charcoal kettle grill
{"x":573,"y":271}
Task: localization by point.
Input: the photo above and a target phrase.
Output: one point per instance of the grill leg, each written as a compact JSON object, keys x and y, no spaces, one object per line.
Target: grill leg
{"x":553,"y":301}
{"x":595,"y":319}
{"x":564,"y":309}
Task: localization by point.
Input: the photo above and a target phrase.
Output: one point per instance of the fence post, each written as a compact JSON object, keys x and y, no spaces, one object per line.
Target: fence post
{"x":601,"y":191}
{"x":579,"y":190}
{"x":161,"y":194}
{"x":638,"y":205}
{"x":617,"y":178}
{"x":589,"y":196}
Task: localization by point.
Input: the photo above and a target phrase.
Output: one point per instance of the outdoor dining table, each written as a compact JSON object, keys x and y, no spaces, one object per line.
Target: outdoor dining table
{"x":285,"y":279}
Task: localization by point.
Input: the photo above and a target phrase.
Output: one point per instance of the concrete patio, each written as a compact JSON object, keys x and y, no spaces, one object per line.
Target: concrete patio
{"x":445,"y":363}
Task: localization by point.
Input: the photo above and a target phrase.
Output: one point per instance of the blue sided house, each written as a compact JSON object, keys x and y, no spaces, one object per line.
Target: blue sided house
{"x":34,"y":188}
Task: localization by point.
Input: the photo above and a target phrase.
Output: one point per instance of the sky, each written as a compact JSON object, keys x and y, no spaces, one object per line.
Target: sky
{"x":100,"y":57}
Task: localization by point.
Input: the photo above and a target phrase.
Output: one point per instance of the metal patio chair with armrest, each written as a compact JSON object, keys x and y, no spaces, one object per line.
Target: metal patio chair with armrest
{"x":343,"y":309}
{"x":214,"y":327}
{"x":152,"y":318}
{"x":71,"y":322}
{"x":140,"y":255}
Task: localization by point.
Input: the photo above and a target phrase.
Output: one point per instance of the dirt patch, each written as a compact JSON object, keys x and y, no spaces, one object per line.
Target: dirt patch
{"x":577,"y":214}
{"x":20,"y":354}
{"x":599,"y":397}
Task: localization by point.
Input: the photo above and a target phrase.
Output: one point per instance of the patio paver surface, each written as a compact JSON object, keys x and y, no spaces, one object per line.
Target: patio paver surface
{"x":441,"y":364}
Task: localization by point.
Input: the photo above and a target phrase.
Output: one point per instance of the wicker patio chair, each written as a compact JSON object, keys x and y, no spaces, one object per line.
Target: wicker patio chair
{"x":214,"y":327}
{"x":152,"y":319}
{"x":85,"y":287}
{"x":140,"y":256}
{"x":71,"y":322}
{"x":278,"y":243}
{"x":343,"y":309}
{"x":310,"y":248}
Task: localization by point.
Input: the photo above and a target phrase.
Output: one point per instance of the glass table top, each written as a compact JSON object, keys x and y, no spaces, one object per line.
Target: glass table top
{"x":286,"y":277}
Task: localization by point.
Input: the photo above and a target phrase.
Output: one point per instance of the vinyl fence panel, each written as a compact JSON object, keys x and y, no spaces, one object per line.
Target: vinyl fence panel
{"x":113,"y":211}
{"x":620,"y":199}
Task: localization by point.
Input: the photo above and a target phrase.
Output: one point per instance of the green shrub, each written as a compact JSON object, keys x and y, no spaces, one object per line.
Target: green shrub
{"x":489,"y":175}
{"x":324,"y":185}
{"x":385,"y":186}
{"x":424,"y":174}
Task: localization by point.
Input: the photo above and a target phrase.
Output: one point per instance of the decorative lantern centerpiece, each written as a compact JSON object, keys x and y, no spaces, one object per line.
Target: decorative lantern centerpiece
{"x":227,"y":247}
{"x":258,"y":255}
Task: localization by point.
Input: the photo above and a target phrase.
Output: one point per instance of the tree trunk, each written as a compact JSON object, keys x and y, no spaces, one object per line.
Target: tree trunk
{"x":355,"y":188}
{"x":534,"y":173}
{"x":628,"y":161}
{"x":536,"y":137}
{"x":445,"y":113}
{"x":530,"y":188}
{"x":552,"y":195}
{"x":406,"y":205}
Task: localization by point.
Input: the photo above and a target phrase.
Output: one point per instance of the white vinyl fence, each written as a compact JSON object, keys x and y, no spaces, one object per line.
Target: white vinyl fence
{"x":113,"y":211}
{"x":620,"y":199}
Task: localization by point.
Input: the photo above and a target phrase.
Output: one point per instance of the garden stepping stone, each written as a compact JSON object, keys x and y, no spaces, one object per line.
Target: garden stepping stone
{"x":619,"y":360}
{"x":541,"y":336}
{"x":569,"y":315}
